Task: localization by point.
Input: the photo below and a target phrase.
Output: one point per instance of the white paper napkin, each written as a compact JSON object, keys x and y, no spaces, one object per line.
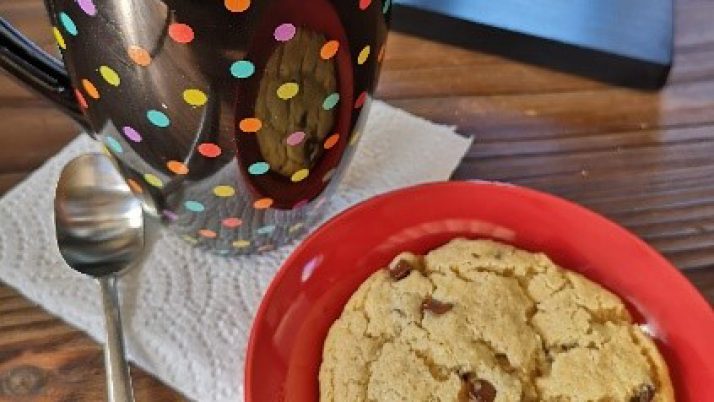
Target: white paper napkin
{"x":188,"y":313}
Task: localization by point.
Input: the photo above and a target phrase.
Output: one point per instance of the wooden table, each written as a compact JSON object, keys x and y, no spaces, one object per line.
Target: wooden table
{"x":645,"y":160}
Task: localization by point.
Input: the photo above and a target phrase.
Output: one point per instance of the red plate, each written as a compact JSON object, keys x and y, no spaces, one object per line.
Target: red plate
{"x":313,"y":285}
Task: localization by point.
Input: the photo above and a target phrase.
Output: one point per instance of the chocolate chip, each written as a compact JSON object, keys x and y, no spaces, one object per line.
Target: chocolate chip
{"x":435,"y":306}
{"x":645,"y":393}
{"x":400,"y":270}
{"x":476,"y":390}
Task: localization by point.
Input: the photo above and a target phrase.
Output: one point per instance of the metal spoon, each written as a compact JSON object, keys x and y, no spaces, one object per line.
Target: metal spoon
{"x":101,"y":232}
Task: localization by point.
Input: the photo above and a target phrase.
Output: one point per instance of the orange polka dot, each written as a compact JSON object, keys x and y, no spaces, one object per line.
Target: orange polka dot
{"x":232,"y":222}
{"x":209,"y":150}
{"x":134,"y":186}
{"x":90,"y":89}
{"x":250,"y":125}
{"x":263,"y":203}
{"x":380,"y":56}
{"x":207,"y":233}
{"x":331,"y":141}
{"x":80,"y":99}
{"x":181,"y":33}
{"x":139,"y":55}
{"x":177,"y":167}
{"x":329,"y":49}
{"x":237,"y":6}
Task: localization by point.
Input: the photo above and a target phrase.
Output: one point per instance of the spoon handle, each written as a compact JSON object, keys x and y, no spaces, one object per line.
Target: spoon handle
{"x":118,"y":378}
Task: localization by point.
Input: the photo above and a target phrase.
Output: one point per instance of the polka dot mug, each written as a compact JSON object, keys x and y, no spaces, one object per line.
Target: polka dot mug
{"x":237,"y":118}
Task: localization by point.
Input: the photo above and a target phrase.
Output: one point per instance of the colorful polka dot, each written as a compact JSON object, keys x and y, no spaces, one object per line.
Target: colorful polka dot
{"x":328,"y":175}
{"x":241,"y":243}
{"x":329,"y":49}
{"x":209,"y":150}
{"x":294,"y":228}
{"x":242,"y":69}
{"x":90,"y":89}
{"x":265,"y":248}
{"x":263,"y":203}
{"x":157,"y":118}
{"x":194,"y":206}
{"x":224,"y":191}
{"x":80,"y":99}
{"x":288,"y":90}
{"x":110,"y":76}
{"x":177,"y":167}
{"x":331,"y":101}
{"x":284,"y":32}
{"x":139,"y":55}
{"x":59,"y":38}
{"x":131,"y":134}
{"x":68,"y":24}
{"x":181,"y":33}
{"x":363,"y":4}
{"x":250,"y":125}
{"x":355,"y":138}
{"x":231,"y":223}
{"x":153,"y":180}
{"x":170,"y":215}
{"x":360,"y":100}
{"x":331,"y":141}
{"x":195,"y":97}
{"x":134,"y":186}
{"x":237,"y":6}
{"x":382,"y":51}
{"x":113,"y":144}
{"x":300,"y":175}
{"x":88,"y":7}
{"x":207,"y":233}
{"x":265,"y":230}
{"x":189,"y":239}
{"x":300,"y":204}
{"x":295,"y":138}
{"x":258,"y":168}
{"x":364,"y":55}
{"x":386,"y":5}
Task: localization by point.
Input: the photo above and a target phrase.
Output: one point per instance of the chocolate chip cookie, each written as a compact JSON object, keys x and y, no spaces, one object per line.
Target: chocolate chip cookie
{"x":477,"y":320}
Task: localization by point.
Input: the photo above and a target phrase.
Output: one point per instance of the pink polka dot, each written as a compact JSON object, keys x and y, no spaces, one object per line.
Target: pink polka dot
{"x":360,"y":100}
{"x":88,"y":7}
{"x":295,"y":138}
{"x":232,"y":223}
{"x":300,"y":204}
{"x":285,"y":32}
{"x":131,"y":134}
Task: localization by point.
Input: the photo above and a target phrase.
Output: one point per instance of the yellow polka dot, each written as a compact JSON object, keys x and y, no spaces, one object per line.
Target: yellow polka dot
{"x":355,"y":138}
{"x":288,"y":90}
{"x":241,"y":243}
{"x":59,"y":38}
{"x":195,"y":97}
{"x":224,"y":191}
{"x":364,"y":55}
{"x":109,"y":75}
{"x":153,"y":180}
{"x":190,"y":239}
{"x":300,"y":175}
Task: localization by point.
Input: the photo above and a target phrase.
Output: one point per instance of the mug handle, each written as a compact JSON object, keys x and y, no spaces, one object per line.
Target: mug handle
{"x":40,"y":71}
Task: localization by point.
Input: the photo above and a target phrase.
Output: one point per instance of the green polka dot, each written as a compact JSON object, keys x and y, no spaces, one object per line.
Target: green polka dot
{"x":194,"y":206}
{"x":153,"y":180}
{"x":258,"y":168}
{"x":157,"y":118}
{"x":68,"y":24}
{"x":114,"y":145}
{"x":331,"y":101}
{"x":242,"y":69}
{"x":110,"y":76}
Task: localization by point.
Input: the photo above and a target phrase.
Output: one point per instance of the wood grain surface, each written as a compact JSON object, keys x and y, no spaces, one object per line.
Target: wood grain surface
{"x":645,"y":160}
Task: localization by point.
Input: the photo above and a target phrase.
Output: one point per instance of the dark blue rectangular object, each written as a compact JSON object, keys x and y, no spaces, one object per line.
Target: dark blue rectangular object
{"x":625,"y":42}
